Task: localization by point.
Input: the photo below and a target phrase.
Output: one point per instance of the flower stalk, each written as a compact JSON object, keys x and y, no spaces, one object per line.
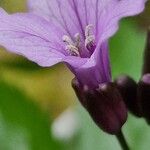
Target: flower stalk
{"x":121,"y":139}
{"x":146,"y":65}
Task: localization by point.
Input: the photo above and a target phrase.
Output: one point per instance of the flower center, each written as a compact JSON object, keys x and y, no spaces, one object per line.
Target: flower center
{"x":73,"y":46}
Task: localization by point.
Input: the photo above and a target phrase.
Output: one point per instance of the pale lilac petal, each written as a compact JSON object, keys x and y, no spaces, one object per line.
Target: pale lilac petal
{"x":32,"y":37}
{"x":71,"y":15}
{"x":29,"y":23}
{"x":60,"y":12}
{"x":112,"y":13}
{"x":75,"y":62}
{"x":32,"y":47}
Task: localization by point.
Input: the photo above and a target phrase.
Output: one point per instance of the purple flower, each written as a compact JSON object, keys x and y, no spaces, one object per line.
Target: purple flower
{"x":75,"y":32}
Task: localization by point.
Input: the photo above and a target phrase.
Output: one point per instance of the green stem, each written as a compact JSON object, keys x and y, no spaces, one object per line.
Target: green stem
{"x":122,"y":141}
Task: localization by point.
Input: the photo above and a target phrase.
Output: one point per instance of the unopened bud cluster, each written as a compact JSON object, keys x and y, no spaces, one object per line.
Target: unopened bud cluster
{"x":136,"y":95}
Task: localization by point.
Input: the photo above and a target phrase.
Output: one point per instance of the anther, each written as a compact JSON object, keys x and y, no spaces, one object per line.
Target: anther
{"x":72,"y":47}
{"x":72,"y":50}
{"x":77,"y":40}
{"x":90,"y":42}
{"x":67,"y":40}
{"x":90,"y":38}
{"x":88,"y":30}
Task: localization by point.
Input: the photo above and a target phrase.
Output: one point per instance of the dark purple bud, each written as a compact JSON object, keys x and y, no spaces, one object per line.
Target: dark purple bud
{"x":79,"y":91}
{"x":128,"y":89}
{"x":105,"y":106}
{"x":144,"y":96}
{"x":146,"y":66}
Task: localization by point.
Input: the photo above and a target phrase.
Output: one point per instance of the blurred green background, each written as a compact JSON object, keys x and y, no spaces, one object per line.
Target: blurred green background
{"x":39,"y":110}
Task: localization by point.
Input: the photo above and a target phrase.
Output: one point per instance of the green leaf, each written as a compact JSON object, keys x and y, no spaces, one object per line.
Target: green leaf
{"x":22,"y":125}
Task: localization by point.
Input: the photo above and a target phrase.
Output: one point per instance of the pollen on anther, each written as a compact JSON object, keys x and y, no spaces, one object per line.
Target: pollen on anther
{"x":89,"y":38}
{"x":72,"y":50}
{"x":77,"y":39}
{"x":67,"y":40}
{"x":88,"y":30}
{"x":72,"y":47}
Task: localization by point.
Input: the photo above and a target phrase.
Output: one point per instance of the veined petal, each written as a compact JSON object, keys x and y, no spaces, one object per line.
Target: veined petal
{"x":60,"y":12}
{"x":71,"y":15}
{"x":30,"y":36}
{"x":112,"y":13}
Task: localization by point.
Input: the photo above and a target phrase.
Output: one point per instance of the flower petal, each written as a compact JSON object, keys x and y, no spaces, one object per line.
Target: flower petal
{"x":60,"y":12}
{"x":75,"y":62}
{"x":31,"y":36}
{"x":71,"y":15}
{"x":116,"y":10}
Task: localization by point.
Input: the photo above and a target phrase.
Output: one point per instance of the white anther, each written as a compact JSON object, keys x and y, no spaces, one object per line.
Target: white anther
{"x":88,"y":30}
{"x":67,"y":40}
{"x":89,"y":37}
{"x":77,"y":40}
{"x":90,"y":42}
{"x":72,"y":50}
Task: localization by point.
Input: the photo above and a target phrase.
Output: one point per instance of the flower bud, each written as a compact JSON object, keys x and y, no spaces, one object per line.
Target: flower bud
{"x":144,"y":95}
{"x":128,"y":89}
{"x":105,"y":106}
{"x":146,"y":66}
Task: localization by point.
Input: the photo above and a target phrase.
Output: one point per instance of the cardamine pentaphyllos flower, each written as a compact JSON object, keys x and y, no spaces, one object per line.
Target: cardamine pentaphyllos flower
{"x":75,"y":32}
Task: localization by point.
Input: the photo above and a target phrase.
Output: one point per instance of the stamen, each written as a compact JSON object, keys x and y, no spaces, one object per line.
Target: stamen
{"x":72,"y":50}
{"x":77,"y":40}
{"x":90,"y":42}
{"x":72,"y":47}
{"x":67,"y":40}
{"x":90,"y":38}
{"x":88,"y":30}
